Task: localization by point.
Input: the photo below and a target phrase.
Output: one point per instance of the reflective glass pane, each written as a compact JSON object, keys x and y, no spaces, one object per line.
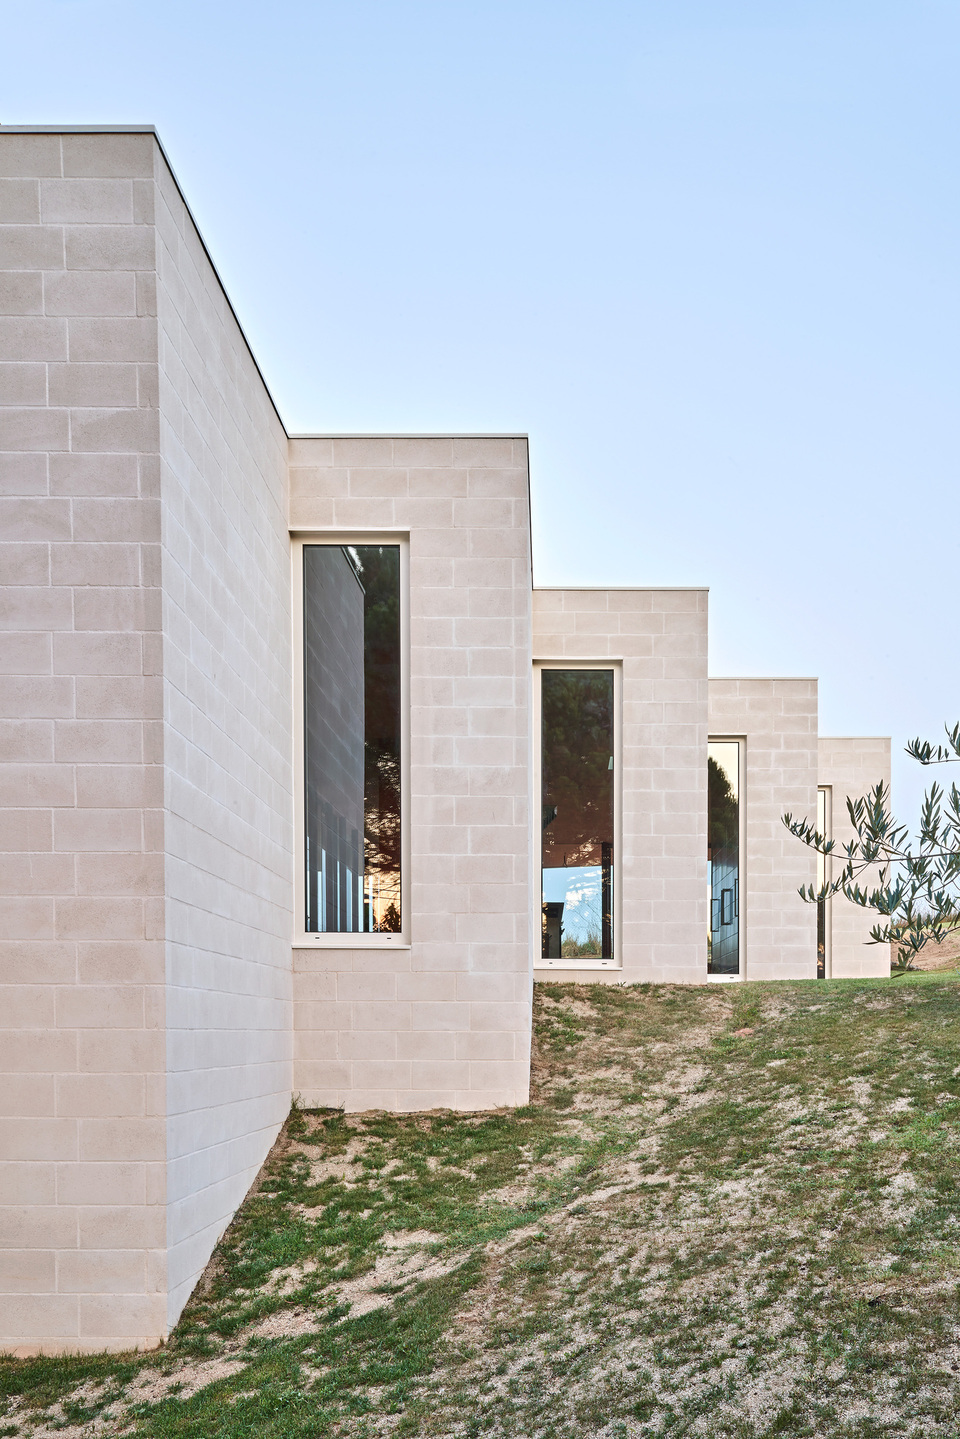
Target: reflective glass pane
{"x":823,"y":827}
{"x":351,"y":724}
{"x":723,"y":855}
{"x":577,"y":794}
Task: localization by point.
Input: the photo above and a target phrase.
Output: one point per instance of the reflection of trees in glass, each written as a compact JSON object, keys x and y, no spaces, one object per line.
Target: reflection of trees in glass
{"x":379,"y":568}
{"x":587,"y":948}
{"x":723,"y":832}
{"x":723,"y":815}
{"x":577,"y":799}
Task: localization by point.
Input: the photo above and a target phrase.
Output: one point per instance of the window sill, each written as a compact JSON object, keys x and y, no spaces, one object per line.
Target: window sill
{"x":348,"y":941}
{"x":597,"y":964}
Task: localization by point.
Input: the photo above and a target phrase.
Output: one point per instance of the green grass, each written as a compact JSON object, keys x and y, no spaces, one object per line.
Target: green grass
{"x":687,"y":1232}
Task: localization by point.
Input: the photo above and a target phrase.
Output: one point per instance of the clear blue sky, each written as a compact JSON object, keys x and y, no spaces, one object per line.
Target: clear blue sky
{"x":706,"y":254}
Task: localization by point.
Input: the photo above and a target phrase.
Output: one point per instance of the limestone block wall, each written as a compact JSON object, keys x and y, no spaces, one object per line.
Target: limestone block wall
{"x":660,"y":639}
{"x":145,"y":747}
{"x":445,"y":1022}
{"x":227,"y":748}
{"x":82,"y":1128}
{"x":777,"y":718}
{"x":851,"y":767}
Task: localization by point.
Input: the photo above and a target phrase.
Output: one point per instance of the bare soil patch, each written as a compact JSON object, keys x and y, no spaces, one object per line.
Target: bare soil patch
{"x":730,"y":1214}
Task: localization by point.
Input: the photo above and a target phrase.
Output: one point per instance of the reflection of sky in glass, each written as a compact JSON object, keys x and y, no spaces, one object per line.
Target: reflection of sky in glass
{"x":578,"y":889}
{"x":727,"y":757}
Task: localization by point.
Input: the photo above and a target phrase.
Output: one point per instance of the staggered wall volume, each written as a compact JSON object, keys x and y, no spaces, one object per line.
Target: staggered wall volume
{"x":163,"y":994}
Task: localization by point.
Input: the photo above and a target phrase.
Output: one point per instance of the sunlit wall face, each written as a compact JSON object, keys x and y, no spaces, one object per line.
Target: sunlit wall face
{"x":577,"y":813}
{"x":351,"y":726}
{"x":723,"y":855}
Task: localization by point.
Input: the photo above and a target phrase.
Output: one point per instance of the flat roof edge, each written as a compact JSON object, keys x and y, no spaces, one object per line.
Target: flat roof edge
{"x":411,"y":435}
{"x":152,"y":130}
{"x":620,"y":589}
{"x":79,"y":129}
{"x":147,"y":129}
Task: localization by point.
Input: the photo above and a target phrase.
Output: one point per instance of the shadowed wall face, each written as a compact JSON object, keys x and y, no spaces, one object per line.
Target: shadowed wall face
{"x":227,"y":749}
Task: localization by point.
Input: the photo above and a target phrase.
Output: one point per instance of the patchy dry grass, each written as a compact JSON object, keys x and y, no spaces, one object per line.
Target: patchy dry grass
{"x":728,"y":1211}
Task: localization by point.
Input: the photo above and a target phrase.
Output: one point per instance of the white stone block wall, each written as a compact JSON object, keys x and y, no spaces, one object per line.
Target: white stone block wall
{"x":151,"y":1022}
{"x":777,"y":718}
{"x":447,"y":1021}
{"x":227,"y":749}
{"x":82,"y":1129}
{"x":851,"y":767}
{"x":659,"y":637}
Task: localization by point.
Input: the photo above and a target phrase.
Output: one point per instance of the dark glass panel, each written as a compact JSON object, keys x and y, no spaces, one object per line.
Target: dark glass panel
{"x":821,"y":939}
{"x":723,"y":855}
{"x":577,"y":796}
{"x":822,"y":828}
{"x":351,"y":689}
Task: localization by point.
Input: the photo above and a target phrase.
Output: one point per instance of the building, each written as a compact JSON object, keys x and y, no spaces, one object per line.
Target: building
{"x":303,"y":781}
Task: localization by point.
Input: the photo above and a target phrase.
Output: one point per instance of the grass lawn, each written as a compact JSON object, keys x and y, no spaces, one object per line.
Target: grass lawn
{"x":728,"y":1211}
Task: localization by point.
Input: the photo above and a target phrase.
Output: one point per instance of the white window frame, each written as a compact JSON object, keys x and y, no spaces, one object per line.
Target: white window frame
{"x":302,"y":938}
{"x":616,"y":665}
{"x":742,"y":882}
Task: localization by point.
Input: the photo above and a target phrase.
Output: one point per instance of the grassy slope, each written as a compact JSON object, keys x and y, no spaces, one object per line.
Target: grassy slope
{"x":690,"y":1231}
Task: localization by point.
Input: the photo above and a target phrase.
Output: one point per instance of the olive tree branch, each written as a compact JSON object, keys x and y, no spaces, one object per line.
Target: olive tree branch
{"x":917,"y":886}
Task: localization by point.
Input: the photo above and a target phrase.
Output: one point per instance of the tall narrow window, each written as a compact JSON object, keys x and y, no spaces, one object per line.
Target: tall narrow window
{"x":351,"y":728}
{"x":723,"y":855}
{"x":824,"y":796}
{"x":577,"y":815}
